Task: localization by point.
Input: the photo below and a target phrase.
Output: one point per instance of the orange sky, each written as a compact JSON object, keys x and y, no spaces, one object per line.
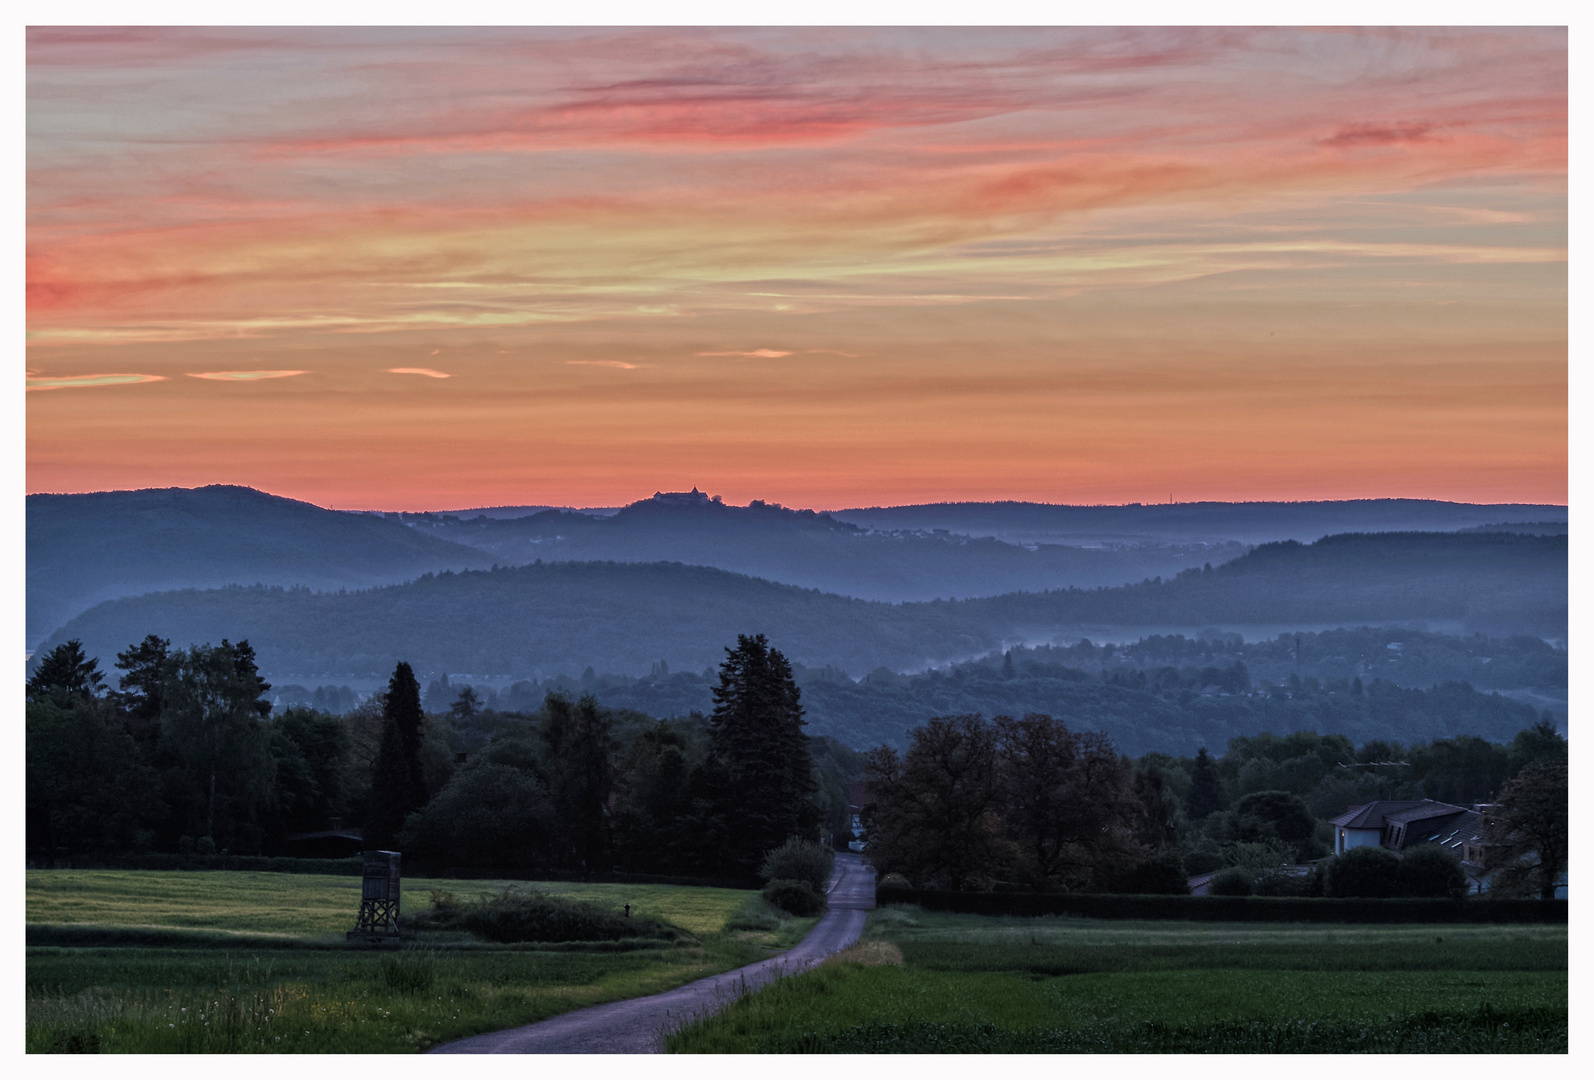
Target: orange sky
{"x":410,"y":269}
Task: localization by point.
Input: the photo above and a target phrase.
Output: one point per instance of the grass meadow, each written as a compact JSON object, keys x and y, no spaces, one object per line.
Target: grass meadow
{"x":925,"y":982}
{"x":225,"y":962}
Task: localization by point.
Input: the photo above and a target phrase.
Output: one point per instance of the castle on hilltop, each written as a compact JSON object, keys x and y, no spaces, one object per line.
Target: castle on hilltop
{"x":684,"y":498}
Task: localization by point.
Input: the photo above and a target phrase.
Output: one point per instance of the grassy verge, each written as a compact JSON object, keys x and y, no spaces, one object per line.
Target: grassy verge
{"x":220,"y":962}
{"x":939,"y":983}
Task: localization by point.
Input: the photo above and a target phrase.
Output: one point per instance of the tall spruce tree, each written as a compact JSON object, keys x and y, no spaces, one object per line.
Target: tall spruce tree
{"x":760,"y":754}
{"x":398,"y":785}
{"x":1206,"y":794}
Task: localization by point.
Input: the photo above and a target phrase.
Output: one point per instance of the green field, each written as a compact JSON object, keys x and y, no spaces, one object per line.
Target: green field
{"x":244,"y":962}
{"x":926,"y":982}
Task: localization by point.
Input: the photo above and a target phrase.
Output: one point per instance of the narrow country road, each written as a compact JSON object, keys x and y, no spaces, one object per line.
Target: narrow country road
{"x":639,"y":1026}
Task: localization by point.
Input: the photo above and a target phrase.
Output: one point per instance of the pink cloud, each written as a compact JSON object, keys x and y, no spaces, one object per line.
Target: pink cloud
{"x":767,"y":354}
{"x":242,"y":376}
{"x":1378,"y":134}
{"x":428,"y":372}
{"x":605,"y":363}
{"x":63,"y":382}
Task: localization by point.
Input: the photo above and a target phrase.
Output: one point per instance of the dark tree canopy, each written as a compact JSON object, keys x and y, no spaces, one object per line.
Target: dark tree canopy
{"x":1526,"y":831}
{"x":65,"y":672}
{"x":398,"y":783}
{"x":1206,"y":796}
{"x":579,"y":745}
{"x":762,"y":769}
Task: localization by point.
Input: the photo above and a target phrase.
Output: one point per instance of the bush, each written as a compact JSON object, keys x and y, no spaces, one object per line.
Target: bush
{"x":1231,"y":882}
{"x":1280,"y":883}
{"x":894,"y":881}
{"x":1160,"y":875}
{"x":793,"y":897}
{"x":1430,"y":871}
{"x":1363,"y":871}
{"x":522,"y":915}
{"x":1203,"y":859}
{"x":800,"y":860}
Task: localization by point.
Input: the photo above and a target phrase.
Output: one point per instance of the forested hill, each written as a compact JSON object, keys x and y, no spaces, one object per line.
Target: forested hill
{"x":549,"y":618}
{"x":83,"y":549}
{"x":1247,"y":522}
{"x":816,"y":551}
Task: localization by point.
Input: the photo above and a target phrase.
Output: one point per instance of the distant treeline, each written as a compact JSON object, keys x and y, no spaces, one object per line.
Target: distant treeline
{"x":1166,"y":692}
{"x":541,"y":619}
{"x":184,"y":754}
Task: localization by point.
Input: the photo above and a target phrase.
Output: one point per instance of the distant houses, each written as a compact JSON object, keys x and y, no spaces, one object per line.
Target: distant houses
{"x":1399,"y":825}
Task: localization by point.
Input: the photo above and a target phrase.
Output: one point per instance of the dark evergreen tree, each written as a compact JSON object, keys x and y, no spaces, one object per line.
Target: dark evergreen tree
{"x":243,"y":661}
{"x":398,"y":784}
{"x":759,"y":746}
{"x":66,"y":673}
{"x":140,"y":688}
{"x":1205,"y":794}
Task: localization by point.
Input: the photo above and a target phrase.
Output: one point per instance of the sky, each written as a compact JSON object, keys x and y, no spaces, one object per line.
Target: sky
{"x":427,"y":269}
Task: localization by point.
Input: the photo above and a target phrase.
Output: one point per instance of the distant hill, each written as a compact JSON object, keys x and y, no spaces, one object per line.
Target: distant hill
{"x":549,"y":618}
{"x":83,"y":549}
{"x":1245,"y":522}
{"x":814,"y":550}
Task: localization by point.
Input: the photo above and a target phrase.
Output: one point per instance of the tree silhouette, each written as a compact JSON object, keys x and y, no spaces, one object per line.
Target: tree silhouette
{"x":760,"y":753}
{"x":1526,"y":830}
{"x":398,"y":786}
{"x":1205,"y":795}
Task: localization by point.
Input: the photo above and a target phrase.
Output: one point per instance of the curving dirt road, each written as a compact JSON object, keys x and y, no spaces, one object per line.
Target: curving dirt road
{"x":638,"y":1026}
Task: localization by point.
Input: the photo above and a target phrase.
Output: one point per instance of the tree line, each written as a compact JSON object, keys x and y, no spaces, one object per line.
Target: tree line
{"x":184,"y":755}
{"x":1032,"y":803}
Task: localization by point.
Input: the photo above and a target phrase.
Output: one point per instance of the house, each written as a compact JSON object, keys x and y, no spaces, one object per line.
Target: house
{"x":1399,"y":824}
{"x":857,"y":799}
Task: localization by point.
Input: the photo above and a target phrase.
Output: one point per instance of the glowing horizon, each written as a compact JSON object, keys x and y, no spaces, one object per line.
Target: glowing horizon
{"x":411,"y":268}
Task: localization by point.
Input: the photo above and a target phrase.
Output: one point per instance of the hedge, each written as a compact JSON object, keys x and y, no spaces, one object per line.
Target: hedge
{"x":1232,"y":908}
{"x":160,"y":860}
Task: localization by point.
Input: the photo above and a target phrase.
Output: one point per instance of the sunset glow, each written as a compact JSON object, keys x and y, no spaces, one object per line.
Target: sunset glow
{"x":826,"y":267}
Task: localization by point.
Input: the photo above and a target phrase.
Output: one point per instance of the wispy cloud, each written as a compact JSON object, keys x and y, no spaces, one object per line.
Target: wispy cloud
{"x":1379,"y":134}
{"x":604,"y":363}
{"x":243,"y":376}
{"x":767,"y":354}
{"x":63,"y":382}
{"x":428,"y":372}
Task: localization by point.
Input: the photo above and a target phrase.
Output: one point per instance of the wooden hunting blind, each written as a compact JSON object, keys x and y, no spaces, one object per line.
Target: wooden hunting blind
{"x":379,"y":897}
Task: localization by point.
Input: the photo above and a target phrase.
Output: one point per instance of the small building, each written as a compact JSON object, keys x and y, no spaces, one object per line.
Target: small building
{"x":1395,"y":824}
{"x":857,"y":799}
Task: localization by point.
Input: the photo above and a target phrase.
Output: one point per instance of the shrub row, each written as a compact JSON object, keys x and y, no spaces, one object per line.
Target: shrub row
{"x":517,"y":915}
{"x":160,"y":860}
{"x":1232,"y":908}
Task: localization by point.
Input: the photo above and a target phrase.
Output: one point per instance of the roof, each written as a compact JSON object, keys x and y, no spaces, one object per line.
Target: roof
{"x":1421,"y":813}
{"x":1373,"y":815}
{"x":1454,"y":832}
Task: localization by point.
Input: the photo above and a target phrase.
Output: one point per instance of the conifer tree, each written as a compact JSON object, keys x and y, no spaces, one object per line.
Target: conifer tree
{"x":761,"y":751}
{"x":398,"y":786}
{"x":1205,"y":795}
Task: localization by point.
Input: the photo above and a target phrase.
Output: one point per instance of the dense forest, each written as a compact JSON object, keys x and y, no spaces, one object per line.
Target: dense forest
{"x":536,"y":621}
{"x":186,"y":755}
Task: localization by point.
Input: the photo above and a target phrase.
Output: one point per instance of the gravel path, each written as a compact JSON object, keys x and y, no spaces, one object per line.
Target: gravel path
{"x":639,"y":1026}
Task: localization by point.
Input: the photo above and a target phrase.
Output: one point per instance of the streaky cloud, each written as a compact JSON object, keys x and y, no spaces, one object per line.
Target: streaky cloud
{"x":767,"y":354}
{"x":243,"y":376}
{"x":63,"y":382}
{"x":428,"y":372}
